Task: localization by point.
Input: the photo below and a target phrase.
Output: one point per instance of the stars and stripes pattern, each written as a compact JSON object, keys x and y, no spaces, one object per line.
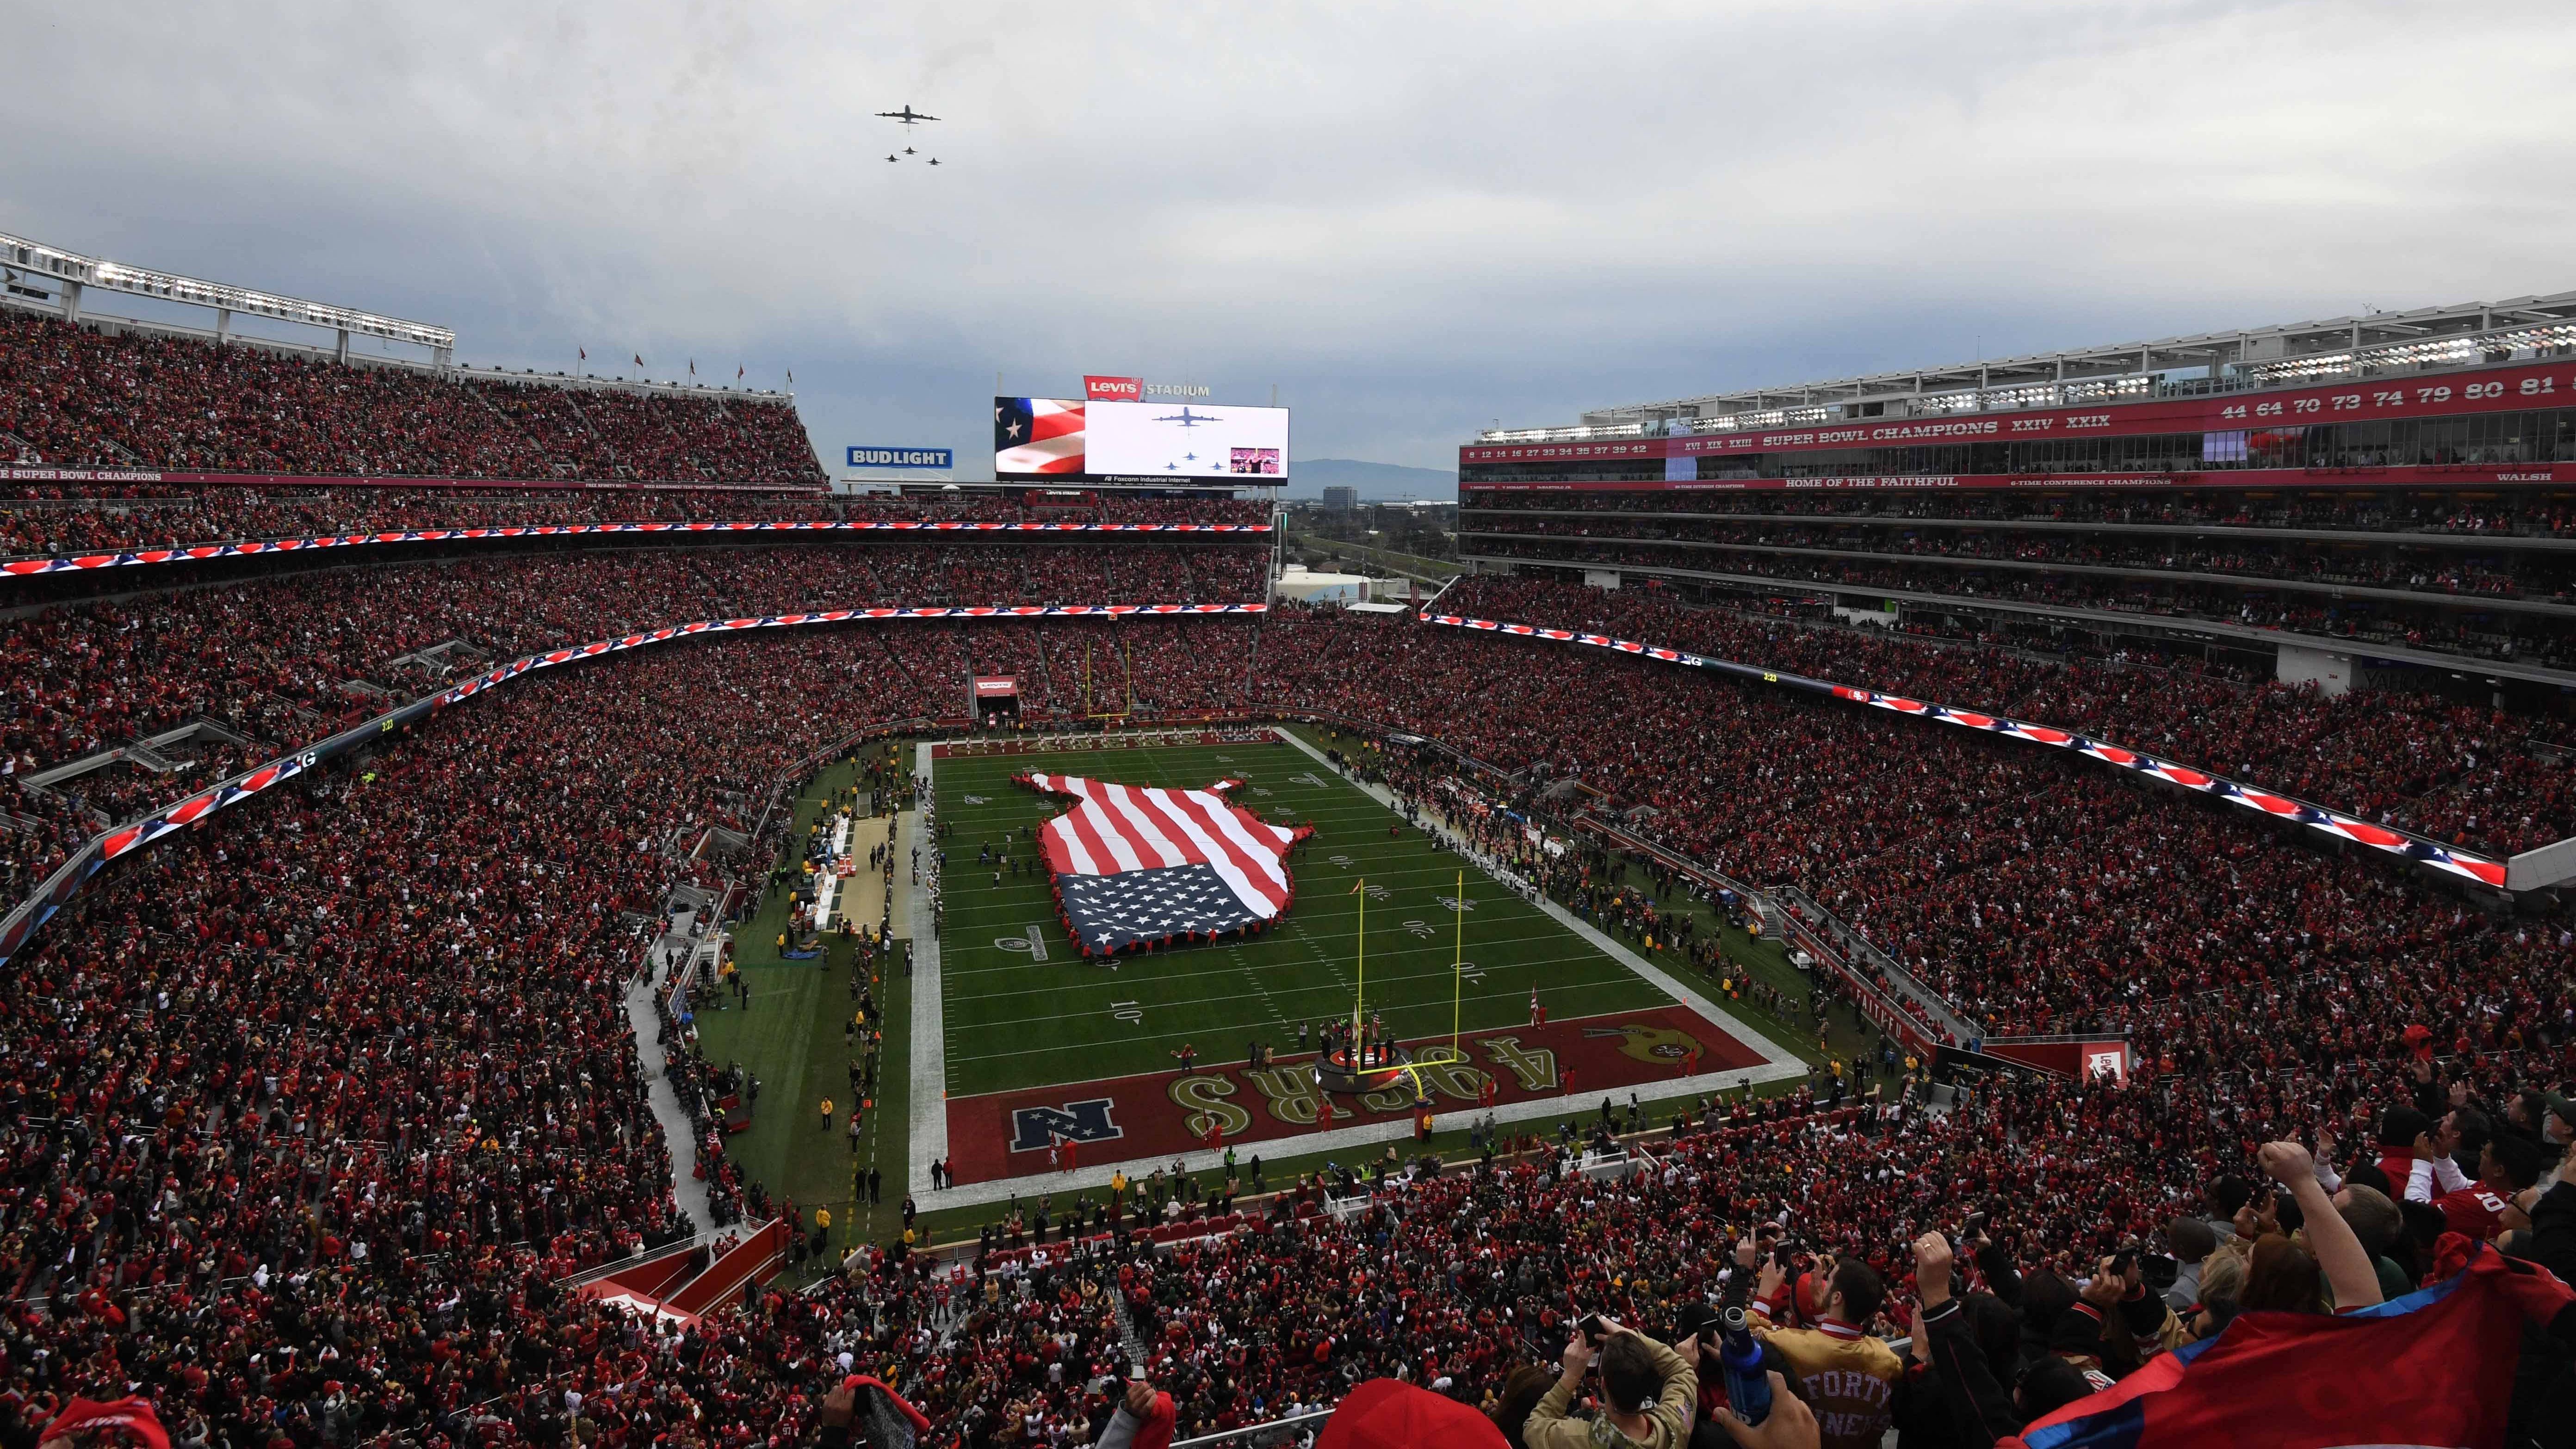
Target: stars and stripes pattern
{"x":1037,"y":435}
{"x":1137,"y":866}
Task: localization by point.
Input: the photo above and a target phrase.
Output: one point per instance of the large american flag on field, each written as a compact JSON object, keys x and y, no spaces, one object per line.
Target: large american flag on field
{"x":1037,"y":435}
{"x":1135,"y":866}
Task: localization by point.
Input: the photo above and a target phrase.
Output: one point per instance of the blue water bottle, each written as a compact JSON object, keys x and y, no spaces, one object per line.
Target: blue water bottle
{"x":1739,"y":1359}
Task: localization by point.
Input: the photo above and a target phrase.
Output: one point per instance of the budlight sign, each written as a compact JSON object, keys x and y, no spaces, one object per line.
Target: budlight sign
{"x":923,"y":459}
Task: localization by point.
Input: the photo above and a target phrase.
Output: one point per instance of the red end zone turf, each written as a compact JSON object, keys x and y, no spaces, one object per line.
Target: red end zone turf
{"x":1163,"y":1114}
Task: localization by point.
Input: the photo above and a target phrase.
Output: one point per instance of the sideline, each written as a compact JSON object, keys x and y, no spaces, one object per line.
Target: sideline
{"x":927,"y":1138}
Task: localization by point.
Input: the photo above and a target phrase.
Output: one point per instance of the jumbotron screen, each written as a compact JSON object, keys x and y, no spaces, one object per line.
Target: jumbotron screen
{"x":1062,"y":438}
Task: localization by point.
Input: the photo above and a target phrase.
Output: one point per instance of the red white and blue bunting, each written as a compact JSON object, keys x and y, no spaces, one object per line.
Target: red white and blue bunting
{"x":2345,"y":827}
{"x":252,"y":548}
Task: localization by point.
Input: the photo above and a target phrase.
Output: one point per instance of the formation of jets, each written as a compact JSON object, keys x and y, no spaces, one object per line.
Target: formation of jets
{"x":909,"y":118}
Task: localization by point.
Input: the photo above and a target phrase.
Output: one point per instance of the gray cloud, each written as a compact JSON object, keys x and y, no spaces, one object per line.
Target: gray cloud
{"x":1412,"y":219}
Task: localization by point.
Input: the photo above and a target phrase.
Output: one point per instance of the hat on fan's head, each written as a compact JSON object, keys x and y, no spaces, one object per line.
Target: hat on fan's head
{"x":1391,"y":1414}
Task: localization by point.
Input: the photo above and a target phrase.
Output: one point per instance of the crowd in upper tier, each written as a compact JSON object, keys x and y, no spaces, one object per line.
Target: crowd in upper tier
{"x":2455,"y":771}
{"x":313,"y":1107}
{"x":80,"y":397}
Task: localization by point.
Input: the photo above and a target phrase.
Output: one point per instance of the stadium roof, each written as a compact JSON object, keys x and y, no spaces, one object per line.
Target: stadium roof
{"x":2127,"y":371}
{"x":83,"y":271}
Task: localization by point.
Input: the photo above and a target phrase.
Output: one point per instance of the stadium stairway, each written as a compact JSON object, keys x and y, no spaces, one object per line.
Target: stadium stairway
{"x":680,"y":949}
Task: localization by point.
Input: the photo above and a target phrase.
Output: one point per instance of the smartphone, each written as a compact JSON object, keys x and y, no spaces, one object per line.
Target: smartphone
{"x":1135,"y":1373}
{"x":1592,"y":1329}
{"x":2124,"y":1262}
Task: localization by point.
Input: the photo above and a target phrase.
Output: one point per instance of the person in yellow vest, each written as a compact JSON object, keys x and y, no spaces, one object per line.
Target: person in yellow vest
{"x":822,"y":1227}
{"x":827,"y":1114}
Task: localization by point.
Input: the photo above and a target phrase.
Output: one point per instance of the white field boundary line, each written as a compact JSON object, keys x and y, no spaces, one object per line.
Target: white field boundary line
{"x":927,"y":1141}
{"x":1776,"y":1065}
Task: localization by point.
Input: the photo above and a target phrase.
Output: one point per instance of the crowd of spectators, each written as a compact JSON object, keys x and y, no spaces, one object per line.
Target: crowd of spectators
{"x":307,"y":1111}
{"x":283,"y":658}
{"x":79,"y":396}
{"x":2459,"y":772}
{"x":2349,"y":620}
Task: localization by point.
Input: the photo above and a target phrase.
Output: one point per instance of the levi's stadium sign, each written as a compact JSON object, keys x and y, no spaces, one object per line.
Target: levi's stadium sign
{"x":1096,"y":388}
{"x":861,"y":456}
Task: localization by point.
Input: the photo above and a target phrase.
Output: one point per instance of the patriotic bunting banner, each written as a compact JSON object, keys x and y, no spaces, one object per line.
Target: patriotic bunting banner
{"x":1137,"y":867}
{"x":196,"y":552}
{"x":2345,"y":827}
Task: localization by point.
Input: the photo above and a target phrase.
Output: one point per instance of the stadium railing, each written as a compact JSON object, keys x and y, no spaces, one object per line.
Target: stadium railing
{"x":1774,"y":905}
{"x":1257,"y":1436}
{"x":1804,"y":907}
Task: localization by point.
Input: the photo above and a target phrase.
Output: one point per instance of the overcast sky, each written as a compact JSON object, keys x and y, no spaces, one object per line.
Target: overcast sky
{"x":1410,"y":219}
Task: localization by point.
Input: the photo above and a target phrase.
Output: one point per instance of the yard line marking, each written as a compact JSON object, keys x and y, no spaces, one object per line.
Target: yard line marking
{"x":1554,"y":986}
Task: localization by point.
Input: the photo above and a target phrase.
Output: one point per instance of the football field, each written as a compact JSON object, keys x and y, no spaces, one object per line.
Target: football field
{"x":1045,"y":1050}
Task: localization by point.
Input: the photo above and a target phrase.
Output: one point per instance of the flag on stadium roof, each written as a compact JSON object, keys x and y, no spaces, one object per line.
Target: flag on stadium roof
{"x":1136,"y":867}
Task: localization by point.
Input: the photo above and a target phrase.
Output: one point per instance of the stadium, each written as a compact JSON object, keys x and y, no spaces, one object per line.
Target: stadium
{"x":535,"y":914}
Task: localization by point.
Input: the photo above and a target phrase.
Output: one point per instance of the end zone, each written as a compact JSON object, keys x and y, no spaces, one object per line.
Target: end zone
{"x":1550,"y":1071}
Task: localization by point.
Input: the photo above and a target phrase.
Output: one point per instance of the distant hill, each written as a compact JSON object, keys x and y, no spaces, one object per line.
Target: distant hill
{"x":1377,"y":482}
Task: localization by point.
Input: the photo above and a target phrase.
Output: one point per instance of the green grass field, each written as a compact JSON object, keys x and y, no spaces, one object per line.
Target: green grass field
{"x":1013,"y":1021}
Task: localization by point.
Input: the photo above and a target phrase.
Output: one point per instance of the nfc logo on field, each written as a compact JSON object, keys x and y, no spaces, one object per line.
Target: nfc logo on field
{"x":866,"y":457}
{"x":1032,"y":1128}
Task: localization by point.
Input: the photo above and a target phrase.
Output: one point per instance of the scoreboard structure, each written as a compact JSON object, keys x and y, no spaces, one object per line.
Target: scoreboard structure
{"x":1070,"y":440}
